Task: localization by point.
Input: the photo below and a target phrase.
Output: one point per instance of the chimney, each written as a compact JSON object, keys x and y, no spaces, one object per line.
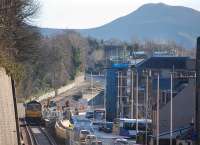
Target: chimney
{"x":197,"y":107}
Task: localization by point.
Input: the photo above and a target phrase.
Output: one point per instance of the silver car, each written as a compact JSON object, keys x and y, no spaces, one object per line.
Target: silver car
{"x":121,"y":142}
{"x":82,"y":136}
{"x":89,"y":139}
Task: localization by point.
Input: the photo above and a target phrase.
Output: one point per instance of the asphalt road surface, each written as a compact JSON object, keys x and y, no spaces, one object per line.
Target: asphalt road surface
{"x":106,"y":138}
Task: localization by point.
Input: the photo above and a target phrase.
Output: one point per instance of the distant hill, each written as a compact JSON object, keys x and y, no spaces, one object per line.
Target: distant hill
{"x":51,"y":32}
{"x":153,"y":22}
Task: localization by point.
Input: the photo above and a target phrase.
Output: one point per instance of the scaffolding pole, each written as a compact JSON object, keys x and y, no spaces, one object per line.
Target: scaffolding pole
{"x":132,"y":94}
{"x":121,"y":96}
{"x":118,"y":100}
{"x":146,"y":107}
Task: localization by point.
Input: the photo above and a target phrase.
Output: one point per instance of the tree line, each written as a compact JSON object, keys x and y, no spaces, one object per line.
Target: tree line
{"x":35,"y":62}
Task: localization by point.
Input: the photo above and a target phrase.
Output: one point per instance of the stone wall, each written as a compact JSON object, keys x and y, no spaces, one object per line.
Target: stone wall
{"x":8,"y":133}
{"x":78,"y":80}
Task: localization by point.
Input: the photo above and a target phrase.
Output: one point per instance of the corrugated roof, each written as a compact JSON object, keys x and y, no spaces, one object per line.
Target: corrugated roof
{"x":164,"y":62}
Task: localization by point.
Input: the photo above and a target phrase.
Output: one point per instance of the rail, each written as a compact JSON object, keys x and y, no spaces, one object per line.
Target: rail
{"x":50,"y":139}
{"x":38,"y":136}
{"x":29,"y":133}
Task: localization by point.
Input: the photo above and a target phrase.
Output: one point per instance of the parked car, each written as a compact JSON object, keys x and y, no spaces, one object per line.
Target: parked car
{"x":121,"y":141}
{"x":89,"y":139}
{"x":89,"y":114}
{"x":97,"y":143}
{"x":82,"y":136}
{"x":106,"y":127}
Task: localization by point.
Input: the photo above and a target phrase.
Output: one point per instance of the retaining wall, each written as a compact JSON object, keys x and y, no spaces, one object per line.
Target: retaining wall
{"x":63,"y":89}
{"x":8,"y":133}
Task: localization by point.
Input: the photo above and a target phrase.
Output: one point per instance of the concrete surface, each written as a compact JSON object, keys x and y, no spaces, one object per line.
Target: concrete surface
{"x":8,"y":134}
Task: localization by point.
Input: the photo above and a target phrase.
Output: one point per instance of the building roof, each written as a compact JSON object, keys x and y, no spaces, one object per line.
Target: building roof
{"x":120,"y":66}
{"x":164,"y":62}
{"x":165,"y":83}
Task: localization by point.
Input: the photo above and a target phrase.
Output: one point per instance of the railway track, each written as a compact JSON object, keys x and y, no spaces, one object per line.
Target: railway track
{"x":38,"y":135}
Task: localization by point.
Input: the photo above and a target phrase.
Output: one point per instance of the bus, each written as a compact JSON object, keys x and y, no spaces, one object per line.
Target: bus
{"x":127,"y":127}
{"x":99,"y":116}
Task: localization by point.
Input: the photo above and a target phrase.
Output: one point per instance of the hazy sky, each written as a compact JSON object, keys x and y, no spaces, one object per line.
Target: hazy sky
{"x":93,"y":13}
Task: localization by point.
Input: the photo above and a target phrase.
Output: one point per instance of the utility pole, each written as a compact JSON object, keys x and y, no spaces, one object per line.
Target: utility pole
{"x":158,"y":111}
{"x":171,"y":108}
{"x":136,"y":104}
{"x":197,"y":99}
{"x":105,"y":94}
{"x":92,"y":92}
{"x":146,"y":107}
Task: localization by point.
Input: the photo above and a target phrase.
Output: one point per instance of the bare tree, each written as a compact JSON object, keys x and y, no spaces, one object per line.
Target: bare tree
{"x":13,"y":30}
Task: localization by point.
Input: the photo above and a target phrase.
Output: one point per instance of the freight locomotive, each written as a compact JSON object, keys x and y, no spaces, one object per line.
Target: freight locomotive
{"x":33,"y":112}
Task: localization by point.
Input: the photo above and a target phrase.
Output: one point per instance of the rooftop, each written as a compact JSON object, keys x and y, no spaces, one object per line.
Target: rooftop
{"x":165,"y":62}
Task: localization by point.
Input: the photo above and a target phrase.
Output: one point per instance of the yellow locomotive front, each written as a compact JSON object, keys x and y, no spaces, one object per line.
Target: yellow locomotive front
{"x":33,"y":112}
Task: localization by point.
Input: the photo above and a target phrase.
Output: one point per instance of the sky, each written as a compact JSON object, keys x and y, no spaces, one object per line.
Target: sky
{"x":81,"y":14}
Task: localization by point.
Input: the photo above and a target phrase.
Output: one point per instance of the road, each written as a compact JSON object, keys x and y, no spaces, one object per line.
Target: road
{"x":85,"y":124}
{"x":84,"y":88}
{"x":81,"y":124}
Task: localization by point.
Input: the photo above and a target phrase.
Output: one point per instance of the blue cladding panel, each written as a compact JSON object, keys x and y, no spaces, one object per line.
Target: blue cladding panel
{"x":111,"y":94}
{"x":120,"y":66}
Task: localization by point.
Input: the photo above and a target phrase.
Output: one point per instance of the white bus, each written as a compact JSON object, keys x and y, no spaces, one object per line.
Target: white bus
{"x":99,"y":116}
{"x":127,"y":127}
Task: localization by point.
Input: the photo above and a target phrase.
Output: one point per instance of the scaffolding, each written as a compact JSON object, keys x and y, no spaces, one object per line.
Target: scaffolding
{"x":122,"y":95}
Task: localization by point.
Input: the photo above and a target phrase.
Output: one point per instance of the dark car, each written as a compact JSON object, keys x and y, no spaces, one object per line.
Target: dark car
{"x":106,"y":127}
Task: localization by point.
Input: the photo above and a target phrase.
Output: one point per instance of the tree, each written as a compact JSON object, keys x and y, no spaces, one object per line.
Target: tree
{"x":19,"y":42}
{"x":14,"y":33}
